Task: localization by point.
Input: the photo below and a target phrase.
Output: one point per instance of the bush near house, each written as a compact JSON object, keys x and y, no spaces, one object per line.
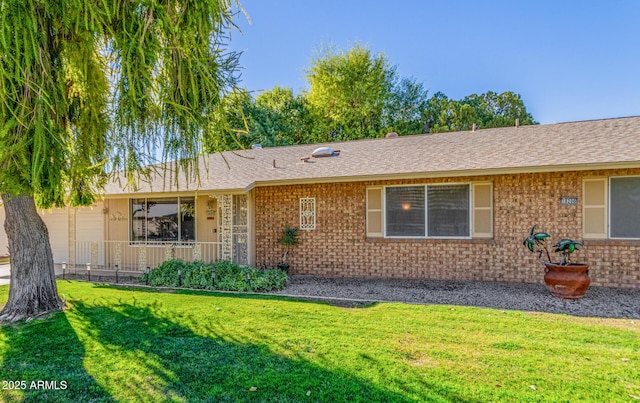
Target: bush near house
{"x":229,"y":276}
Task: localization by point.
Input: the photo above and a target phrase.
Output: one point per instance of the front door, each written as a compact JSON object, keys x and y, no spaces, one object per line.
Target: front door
{"x":233,"y":214}
{"x":240,"y":238}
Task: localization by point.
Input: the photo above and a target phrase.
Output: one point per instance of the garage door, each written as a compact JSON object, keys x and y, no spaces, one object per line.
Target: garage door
{"x":57,"y":221}
{"x":90,"y":230}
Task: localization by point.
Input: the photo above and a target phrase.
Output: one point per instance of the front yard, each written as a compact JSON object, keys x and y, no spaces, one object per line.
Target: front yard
{"x":116,"y":344}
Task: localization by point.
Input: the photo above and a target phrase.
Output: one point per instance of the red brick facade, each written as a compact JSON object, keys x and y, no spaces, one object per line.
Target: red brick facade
{"x":338,"y":247}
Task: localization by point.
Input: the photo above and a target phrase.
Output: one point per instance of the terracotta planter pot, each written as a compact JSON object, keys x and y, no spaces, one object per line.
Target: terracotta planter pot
{"x":567,"y":281}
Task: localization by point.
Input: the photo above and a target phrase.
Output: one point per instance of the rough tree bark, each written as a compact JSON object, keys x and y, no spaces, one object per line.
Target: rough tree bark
{"x":33,"y":290}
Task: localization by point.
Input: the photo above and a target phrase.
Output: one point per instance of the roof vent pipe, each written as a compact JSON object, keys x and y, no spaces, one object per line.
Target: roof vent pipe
{"x":517,"y":122}
{"x":474,"y":127}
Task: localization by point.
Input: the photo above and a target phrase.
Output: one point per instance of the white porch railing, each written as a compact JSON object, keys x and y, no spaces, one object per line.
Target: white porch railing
{"x":137,"y":256}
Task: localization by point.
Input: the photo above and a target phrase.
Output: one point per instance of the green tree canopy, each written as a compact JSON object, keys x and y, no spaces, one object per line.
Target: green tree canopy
{"x":405,"y":110}
{"x":353,"y":94}
{"x":485,"y":111}
{"x":348,"y":93}
{"x":498,"y":110}
{"x":273,"y":118}
{"x":289,"y":115}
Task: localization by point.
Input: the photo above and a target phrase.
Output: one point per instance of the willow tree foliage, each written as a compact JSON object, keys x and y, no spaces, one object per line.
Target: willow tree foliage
{"x":89,"y":87}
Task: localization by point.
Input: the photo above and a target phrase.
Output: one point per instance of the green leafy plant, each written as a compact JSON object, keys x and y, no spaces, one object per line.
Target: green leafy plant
{"x":228,"y":276}
{"x":536,"y":242}
{"x":289,"y":238}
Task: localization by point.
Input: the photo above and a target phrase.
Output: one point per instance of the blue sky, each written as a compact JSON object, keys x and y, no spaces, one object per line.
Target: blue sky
{"x":570,"y":60}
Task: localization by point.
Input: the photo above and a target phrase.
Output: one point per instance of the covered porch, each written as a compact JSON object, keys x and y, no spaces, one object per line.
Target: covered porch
{"x":142,"y":231}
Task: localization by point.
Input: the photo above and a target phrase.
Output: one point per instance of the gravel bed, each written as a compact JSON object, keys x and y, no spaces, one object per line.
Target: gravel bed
{"x":598,"y":302}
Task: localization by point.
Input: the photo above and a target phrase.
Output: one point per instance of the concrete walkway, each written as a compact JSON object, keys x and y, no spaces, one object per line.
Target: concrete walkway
{"x":5,"y":273}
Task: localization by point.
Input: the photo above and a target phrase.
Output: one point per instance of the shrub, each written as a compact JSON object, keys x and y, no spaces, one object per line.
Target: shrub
{"x":229,"y":276}
{"x":166,"y":274}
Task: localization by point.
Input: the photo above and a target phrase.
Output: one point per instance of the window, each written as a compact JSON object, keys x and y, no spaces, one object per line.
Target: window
{"x":163,"y":219}
{"x":374,"y":213}
{"x":482,"y":210}
{"x":430,"y":211}
{"x":405,"y":211}
{"x":611,"y":208}
{"x":448,"y":210}
{"x":594,"y":208}
{"x":624,"y":212}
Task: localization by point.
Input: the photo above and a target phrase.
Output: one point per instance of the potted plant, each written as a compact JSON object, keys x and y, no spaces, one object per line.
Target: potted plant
{"x":564,"y":279}
{"x":288,"y":239}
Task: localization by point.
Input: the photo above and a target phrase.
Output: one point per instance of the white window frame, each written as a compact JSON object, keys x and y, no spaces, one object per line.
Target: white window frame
{"x":426,"y":211}
{"x":178,"y":242}
{"x":609,"y":207}
{"x":476,"y":209}
{"x":307,"y":213}
{"x":368,"y":210}
{"x":604,"y":206}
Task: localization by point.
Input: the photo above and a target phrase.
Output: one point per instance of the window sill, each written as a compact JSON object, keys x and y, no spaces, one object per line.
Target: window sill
{"x":611,"y":242}
{"x":480,"y":241}
{"x":163,"y":244}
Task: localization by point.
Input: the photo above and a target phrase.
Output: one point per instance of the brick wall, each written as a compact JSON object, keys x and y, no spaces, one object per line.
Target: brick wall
{"x":338,"y":247}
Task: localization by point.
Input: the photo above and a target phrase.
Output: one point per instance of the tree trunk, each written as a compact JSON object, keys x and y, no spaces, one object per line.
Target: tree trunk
{"x":33,"y":290}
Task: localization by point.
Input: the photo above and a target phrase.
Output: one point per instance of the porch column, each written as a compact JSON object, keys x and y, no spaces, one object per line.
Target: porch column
{"x":226,"y":226}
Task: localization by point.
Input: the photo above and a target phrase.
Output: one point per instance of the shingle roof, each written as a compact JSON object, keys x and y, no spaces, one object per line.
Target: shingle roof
{"x":562,"y":147}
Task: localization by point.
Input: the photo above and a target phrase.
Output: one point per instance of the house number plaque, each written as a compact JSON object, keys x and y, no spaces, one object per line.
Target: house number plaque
{"x":569,"y":200}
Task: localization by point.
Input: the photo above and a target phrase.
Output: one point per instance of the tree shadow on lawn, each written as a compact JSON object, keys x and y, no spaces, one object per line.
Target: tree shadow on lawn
{"x":45,"y":351}
{"x":338,"y":302}
{"x":173,"y":362}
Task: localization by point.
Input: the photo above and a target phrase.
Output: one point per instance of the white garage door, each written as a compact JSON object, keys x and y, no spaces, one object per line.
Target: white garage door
{"x":90,"y":230}
{"x":57,"y":221}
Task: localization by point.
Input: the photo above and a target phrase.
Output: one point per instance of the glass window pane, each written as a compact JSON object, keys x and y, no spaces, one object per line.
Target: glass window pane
{"x":625,"y":207}
{"x":187,"y":219}
{"x":162,"y":219}
{"x":138,"y":220}
{"x":448,"y":210}
{"x":405,"y":211}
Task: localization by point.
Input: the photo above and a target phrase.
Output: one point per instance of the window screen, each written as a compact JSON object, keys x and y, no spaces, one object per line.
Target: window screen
{"x":625,"y":207}
{"x":448,"y":210}
{"x":405,"y":211}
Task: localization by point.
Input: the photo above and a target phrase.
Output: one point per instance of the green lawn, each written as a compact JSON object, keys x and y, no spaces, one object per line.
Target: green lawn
{"x":114,"y":344}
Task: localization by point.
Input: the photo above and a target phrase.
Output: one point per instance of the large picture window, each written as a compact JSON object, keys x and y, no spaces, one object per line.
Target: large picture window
{"x":428,"y":211}
{"x":624,"y":209}
{"x":168,"y":219}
